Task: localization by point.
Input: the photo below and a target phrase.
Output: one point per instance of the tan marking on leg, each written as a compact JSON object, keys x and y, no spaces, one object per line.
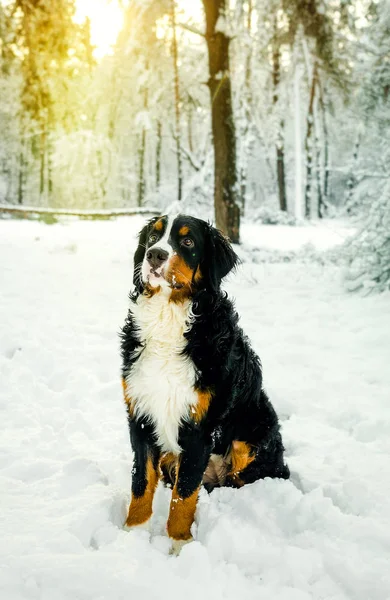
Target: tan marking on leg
{"x":128,"y":400}
{"x":181,"y":515}
{"x":140,"y":509}
{"x":241,"y":456}
{"x":199,"y":410}
{"x":184,"y":230}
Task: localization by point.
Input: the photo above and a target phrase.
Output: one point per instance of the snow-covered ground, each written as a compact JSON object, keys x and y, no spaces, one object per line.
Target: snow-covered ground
{"x":65,"y":456}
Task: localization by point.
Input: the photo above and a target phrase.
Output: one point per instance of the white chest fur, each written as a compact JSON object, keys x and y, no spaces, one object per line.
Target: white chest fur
{"x":161,"y":382}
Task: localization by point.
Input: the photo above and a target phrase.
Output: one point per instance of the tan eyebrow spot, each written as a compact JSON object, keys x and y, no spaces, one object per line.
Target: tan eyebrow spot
{"x":159,"y":225}
{"x":184,"y":230}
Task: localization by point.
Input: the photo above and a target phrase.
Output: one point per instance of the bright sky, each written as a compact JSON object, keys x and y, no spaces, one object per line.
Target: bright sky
{"x":106,"y":21}
{"x":107,"y":17}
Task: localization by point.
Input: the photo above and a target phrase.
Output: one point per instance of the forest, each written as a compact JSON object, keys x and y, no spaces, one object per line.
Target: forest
{"x":276,"y":111}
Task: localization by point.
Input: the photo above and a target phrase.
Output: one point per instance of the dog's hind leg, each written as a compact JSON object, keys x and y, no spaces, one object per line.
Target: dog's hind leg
{"x":168,"y":467}
{"x":250,"y":463}
{"x":215,"y":473}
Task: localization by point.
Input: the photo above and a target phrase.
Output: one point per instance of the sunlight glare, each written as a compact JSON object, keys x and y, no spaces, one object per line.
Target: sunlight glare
{"x":106,"y":18}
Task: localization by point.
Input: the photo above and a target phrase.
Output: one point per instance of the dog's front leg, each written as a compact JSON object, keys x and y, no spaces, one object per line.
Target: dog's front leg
{"x":144,"y":474}
{"x":191,"y":466}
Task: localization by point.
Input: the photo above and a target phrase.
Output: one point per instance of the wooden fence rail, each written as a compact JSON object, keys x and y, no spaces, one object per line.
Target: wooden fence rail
{"x":35,"y":212}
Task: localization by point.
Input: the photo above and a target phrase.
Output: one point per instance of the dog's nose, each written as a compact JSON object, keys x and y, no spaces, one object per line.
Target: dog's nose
{"x":156,"y":257}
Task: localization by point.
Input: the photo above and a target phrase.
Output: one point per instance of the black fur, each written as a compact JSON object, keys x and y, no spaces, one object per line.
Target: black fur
{"x":225,"y":364}
{"x":139,"y":256}
{"x":240,"y":409}
{"x":218,"y":260}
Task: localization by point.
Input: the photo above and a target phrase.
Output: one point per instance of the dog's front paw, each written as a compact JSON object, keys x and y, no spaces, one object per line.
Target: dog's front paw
{"x":177,"y":545}
{"x":141,"y":527}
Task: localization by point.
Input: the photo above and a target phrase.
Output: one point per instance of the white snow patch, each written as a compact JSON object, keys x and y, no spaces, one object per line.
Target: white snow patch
{"x":322,"y":235}
{"x":65,"y":460}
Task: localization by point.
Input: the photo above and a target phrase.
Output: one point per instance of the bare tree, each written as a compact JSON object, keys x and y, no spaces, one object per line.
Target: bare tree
{"x":142,"y":152}
{"x":280,"y":172}
{"x":309,"y":145}
{"x":227,"y":210}
{"x":177,"y":102}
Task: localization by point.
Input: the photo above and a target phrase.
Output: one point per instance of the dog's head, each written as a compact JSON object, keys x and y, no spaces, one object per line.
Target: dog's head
{"x":181,"y":255}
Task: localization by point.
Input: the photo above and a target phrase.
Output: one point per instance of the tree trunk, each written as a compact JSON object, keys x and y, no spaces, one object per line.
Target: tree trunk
{"x":248,"y":73}
{"x":141,"y":173}
{"x":281,"y":176}
{"x":227,"y":210}
{"x":42,"y":157}
{"x":246,"y":98}
{"x":158,"y":154}
{"x":309,"y":143}
{"x":141,"y":152}
{"x":49,"y":161}
{"x":21,"y":176}
{"x":280,"y":137}
{"x":22,"y":160}
{"x":189,"y":126}
{"x":177,"y":102}
{"x":49,"y":173}
{"x":319,"y":147}
{"x":325,"y":193}
{"x":320,"y":202}
{"x":298,"y":143}
{"x":351,"y":183}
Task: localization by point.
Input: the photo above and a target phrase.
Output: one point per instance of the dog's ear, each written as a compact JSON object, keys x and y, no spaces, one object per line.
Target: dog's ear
{"x":219,"y":258}
{"x":139,"y":257}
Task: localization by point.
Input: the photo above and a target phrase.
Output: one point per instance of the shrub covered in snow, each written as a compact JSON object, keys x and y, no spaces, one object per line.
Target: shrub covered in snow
{"x":369,"y":250}
{"x":270,"y":215}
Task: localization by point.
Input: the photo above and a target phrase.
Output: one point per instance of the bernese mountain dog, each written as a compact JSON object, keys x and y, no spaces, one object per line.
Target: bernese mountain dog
{"x":197,"y":411}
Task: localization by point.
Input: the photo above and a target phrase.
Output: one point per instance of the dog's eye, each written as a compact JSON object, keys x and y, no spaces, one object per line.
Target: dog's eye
{"x":187,"y":242}
{"x":153,"y":238}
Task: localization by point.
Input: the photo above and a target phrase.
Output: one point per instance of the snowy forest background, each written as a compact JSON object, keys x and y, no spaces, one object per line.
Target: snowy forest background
{"x":276,"y":111}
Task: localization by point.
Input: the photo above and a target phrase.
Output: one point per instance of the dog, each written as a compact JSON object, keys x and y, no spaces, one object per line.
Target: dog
{"x":197,"y":411}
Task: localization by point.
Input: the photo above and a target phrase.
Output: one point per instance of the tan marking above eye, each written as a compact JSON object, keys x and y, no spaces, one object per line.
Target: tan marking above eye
{"x":184,"y":230}
{"x":159,"y":225}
